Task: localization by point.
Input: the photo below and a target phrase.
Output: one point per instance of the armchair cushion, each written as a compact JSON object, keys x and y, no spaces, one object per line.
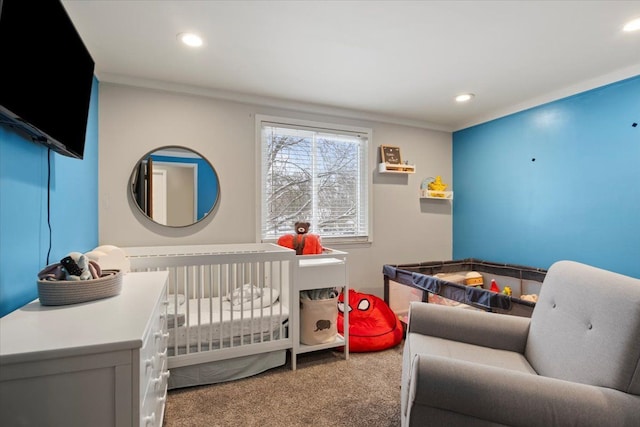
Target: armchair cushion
{"x":499,"y":331}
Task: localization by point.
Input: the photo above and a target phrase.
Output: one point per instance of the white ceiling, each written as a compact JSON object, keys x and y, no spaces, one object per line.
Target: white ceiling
{"x":398,"y":61}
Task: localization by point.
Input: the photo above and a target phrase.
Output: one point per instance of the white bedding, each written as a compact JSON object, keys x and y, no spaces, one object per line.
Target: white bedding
{"x":247,"y":297}
{"x":211,"y":320}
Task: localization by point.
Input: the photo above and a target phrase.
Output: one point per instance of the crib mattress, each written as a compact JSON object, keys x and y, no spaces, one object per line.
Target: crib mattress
{"x":211,"y":321}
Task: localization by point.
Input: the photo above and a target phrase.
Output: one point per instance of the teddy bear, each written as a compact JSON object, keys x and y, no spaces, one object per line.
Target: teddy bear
{"x":303,"y":242}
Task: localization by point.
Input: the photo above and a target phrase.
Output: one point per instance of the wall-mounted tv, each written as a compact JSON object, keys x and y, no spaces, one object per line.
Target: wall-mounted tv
{"x":46,"y":75}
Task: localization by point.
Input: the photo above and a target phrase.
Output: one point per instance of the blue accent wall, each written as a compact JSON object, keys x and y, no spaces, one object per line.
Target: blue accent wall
{"x":559,"y":181}
{"x":24,"y":233}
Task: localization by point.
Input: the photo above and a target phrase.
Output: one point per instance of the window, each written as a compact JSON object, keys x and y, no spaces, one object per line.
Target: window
{"x":316,"y":173}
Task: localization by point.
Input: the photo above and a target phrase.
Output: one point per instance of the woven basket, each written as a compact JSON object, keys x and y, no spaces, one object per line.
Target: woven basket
{"x":64,"y":292}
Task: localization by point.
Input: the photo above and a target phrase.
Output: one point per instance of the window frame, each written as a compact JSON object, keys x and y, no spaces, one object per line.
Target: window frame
{"x":331,"y":127}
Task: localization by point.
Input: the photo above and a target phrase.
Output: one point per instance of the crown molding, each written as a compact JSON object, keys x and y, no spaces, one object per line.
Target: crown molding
{"x":267,"y":101}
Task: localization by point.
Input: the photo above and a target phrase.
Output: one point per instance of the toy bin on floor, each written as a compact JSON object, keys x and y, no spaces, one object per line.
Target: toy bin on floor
{"x":318,"y":319}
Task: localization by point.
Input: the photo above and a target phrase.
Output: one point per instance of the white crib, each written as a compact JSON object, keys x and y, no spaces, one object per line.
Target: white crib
{"x":228,"y":311}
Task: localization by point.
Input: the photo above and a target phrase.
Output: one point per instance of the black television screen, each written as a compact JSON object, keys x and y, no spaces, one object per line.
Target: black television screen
{"x":46,"y":74}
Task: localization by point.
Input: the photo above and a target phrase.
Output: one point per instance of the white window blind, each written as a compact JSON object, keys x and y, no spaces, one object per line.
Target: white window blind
{"x":314,"y":174}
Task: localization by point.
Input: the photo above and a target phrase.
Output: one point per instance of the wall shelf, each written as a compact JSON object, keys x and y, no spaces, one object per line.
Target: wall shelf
{"x":396,"y":168}
{"x":438,"y":195}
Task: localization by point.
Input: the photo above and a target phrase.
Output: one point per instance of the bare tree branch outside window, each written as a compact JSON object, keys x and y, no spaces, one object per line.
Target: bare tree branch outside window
{"x":312,"y":177}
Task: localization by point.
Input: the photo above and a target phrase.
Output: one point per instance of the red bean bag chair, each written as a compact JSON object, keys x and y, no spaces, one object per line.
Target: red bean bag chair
{"x":373,"y":326}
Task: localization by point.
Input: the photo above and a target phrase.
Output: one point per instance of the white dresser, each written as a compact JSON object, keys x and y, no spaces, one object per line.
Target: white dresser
{"x":100,"y":363}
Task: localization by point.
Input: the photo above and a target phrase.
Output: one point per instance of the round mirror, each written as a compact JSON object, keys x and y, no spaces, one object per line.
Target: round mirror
{"x":174,"y":186}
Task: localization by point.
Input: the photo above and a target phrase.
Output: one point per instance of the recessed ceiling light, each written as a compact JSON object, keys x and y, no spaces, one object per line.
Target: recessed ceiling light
{"x":190,"y":39}
{"x":464,"y":97}
{"x":632,"y":25}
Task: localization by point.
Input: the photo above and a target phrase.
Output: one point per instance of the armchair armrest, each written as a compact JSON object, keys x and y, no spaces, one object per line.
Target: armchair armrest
{"x":516,"y":399}
{"x":500,"y":331}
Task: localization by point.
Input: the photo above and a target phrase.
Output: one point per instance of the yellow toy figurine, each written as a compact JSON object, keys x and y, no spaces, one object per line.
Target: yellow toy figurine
{"x":507,"y":290}
{"x":437,"y":187}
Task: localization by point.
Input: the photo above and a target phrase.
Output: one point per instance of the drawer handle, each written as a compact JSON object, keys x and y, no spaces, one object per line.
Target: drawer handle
{"x":150,"y":362}
{"x":162,"y":376}
{"x":150,"y":419}
{"x":163,"y":398}
{"x":163,"y":354}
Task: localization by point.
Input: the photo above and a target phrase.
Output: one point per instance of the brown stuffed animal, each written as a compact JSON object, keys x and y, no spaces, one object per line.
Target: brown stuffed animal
{"x":303,"y":242}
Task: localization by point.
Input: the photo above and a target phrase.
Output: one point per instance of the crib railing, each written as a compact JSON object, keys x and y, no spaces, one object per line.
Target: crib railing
{"x":224,"y":301}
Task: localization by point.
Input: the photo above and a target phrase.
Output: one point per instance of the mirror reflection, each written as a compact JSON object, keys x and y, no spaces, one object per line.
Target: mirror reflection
{"x":174,"y":186}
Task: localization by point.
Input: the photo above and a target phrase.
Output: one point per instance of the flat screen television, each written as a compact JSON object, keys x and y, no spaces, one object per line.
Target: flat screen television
{"x":46,"y":75}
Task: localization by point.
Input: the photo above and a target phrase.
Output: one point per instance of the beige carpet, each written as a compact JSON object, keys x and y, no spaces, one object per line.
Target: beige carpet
{"x":324,"y":391}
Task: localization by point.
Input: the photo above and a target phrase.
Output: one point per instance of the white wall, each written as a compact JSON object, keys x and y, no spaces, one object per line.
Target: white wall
{"x":134,"y":121}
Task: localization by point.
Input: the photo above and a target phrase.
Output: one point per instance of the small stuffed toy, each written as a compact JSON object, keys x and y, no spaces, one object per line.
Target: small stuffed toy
{"x":75,"y":266}
{"x":303,"y":242}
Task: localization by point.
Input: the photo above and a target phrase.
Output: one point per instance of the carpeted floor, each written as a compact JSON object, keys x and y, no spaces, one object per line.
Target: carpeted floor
{"x":324,"y":391}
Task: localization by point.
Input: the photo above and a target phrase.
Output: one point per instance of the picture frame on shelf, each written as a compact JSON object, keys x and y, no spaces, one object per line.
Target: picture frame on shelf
{"x":390,"y":154}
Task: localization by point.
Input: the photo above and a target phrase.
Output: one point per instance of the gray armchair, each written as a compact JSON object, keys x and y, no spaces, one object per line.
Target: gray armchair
{"x":575,"y":362}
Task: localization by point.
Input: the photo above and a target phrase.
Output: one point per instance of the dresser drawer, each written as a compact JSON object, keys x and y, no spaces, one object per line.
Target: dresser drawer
{"x":321,"y":273}
{"x":152,"y":404}
{"x":153,"y":357}
{"x":153,"y":368}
